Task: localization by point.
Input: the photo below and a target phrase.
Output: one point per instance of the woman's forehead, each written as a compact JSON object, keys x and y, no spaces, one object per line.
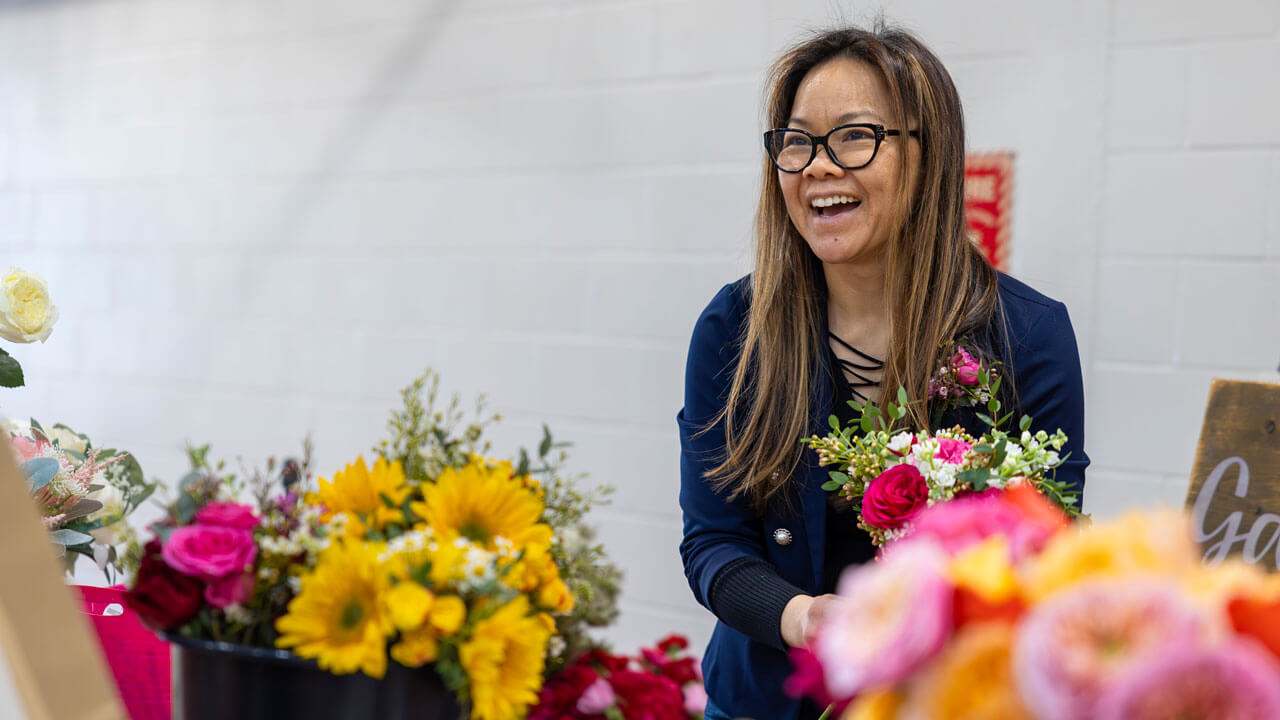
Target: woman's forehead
{"x":838,"y":91}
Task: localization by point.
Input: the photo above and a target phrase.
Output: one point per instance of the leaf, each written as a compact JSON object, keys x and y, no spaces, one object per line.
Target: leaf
{"x":186,"y":508}
{"x":1000,"y":453}
{"x":83,"y":508}
{"x":834,"y":422}
{"x":838,"y":476}
{"x":545,"y":446}
{"x":1024,"y":423}
{"x":993,"y":406}
{"x":986,"y":419}
{"x":984,"y":448}
{"x":976,"y":477}
{"x":522,"y":467}
{"x":897,"y":412}
{"x":190,"y":479}
{"x":902,"y":395}
{"x":865,"y":424}
{"x":831,"y":486}
{"x":10,"y":371}
{"x":995,"y":386}
{"x":41,"y":471}
{"x":69,"y":537}
{"x":874,"y":411}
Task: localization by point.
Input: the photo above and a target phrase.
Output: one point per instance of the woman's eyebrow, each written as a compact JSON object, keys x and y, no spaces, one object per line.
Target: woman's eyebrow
{"x":845,"y":118}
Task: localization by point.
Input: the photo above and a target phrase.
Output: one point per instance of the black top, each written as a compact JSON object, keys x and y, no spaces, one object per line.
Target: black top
{"x":847,"y":544}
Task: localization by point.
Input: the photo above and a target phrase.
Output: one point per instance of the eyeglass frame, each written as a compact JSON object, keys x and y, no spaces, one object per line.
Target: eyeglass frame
{"x":815,"y":140}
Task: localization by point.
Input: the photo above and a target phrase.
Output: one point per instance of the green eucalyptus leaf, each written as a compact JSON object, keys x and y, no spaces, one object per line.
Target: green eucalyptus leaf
{"x":185,"y":508}
{"x":40,"y":471}
{"x":70,"y":538}
{"x":190,"y":479}
{"x":902,"y":395}
{"x":1025,"y":423}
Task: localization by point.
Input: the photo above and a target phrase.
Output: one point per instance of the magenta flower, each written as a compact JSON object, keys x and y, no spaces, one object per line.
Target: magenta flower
{"x":1235,"y":681}
{"x":227,"y":514}
{"x":1074,"y":646}
{"x":966,"y":368}
{"x":597,"y":698}
{"x":951,"y":451}
{"x":891,"y":618}
{"x":230,"y":590}
{"x":893,"y":498}
{"x":209,"y":552}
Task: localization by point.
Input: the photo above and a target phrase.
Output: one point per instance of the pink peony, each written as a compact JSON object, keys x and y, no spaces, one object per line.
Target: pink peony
{"x":1072,"y":647}
{"x":597,"y":698}
{"x":951,"y":451}
{"x":966,"y":368}
{"x":227,"y":514}
{"x":230,"y":590}
{"x":966,"y":521}
{"x":891,"y":618}
{"x":893,"y":498}
{"x":1236,"y":681}
{"x":209,"y":552}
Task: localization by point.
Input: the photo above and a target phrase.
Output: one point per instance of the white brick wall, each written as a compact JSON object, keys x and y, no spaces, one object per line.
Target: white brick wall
{"x":263,"y":218}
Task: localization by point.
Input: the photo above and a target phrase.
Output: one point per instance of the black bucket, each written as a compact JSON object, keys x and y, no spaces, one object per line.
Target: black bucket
{"x":222,"y":681}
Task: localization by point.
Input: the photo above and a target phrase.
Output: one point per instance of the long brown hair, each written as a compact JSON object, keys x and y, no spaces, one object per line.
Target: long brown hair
{"x":938,"y":286}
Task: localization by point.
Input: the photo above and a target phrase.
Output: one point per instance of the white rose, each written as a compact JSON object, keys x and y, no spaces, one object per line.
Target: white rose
{"x":15,"y":428}
{"x":26,"y":313}
{"x":112,"y":501}
{"x":67,"y":440}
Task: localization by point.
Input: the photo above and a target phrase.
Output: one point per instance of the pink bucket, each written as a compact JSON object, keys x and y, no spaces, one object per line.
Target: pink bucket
{"x":139,"y":660}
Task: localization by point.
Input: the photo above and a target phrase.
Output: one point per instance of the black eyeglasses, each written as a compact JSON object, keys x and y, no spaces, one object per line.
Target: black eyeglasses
{"x":849,"y":146}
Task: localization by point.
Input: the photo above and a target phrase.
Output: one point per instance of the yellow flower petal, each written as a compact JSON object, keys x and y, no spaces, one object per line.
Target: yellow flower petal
{"x":447,"y":614}
{"x":985,"y":569}
{"x":408,"y":604}
{"x":416,"y":648}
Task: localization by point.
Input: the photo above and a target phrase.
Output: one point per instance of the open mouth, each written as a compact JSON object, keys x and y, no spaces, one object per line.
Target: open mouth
{"x":830,"y":207}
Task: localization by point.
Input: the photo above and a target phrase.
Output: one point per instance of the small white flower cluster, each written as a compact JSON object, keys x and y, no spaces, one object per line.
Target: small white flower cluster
{"x":238,"y":613}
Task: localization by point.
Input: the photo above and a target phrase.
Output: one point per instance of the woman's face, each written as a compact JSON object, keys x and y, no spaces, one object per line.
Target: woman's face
{"x":837,"y":92}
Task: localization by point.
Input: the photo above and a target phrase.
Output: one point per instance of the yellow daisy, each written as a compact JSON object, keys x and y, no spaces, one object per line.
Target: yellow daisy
{"x":358,"y":491}
{"x":481,"y":504}
{"x":504,"y":659}
{"x":416,"y":648}
{"x":337,"y":617}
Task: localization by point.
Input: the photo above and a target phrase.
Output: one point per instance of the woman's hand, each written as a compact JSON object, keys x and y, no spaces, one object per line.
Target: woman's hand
{"x":802,"y":616}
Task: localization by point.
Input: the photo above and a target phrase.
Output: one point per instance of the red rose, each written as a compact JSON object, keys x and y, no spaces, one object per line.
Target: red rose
{"x":673,"y":643}
{"x":894,"y":497}
{"x":162,"y":597}
{"x":643,"y":696}
{"x":559,"y":697}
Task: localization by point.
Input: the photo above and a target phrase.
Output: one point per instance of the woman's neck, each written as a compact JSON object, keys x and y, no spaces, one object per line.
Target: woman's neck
{"x":856,"y":308}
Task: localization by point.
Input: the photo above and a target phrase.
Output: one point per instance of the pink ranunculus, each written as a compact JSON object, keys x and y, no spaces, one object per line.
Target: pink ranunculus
{"x":894,"y":497}
{"x":597,"y":698}
{"x":891,"y":618}
{"x":230,"y":590}
{"x":209,"y":552}
{"x":951,"y":451}
{"x":26,"y":448}
{"x":227,"y":514}
{"x":966,"y":368}
{"x":1072,"y":647}
{"x":1237,"y":680}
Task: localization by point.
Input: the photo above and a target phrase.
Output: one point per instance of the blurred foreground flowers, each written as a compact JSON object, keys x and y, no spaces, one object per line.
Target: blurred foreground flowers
{"x":995,"y":607}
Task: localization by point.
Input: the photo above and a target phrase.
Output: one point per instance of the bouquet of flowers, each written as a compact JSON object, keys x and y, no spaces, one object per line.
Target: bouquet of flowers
{"x":892,"y":475}
{"x":996,"y":607}
{"x":433,"y":554}
{"x":661,"y":683}
{"x":84,"y":494}
{"x":26,"y":315}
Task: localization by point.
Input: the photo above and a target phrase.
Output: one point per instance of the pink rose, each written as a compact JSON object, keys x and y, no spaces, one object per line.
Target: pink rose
{"x":209,"y":552}
{"x":230,"y":590}
{"x":227,"y":514}
{"x":966,"y":367}
{"x":952,"y":451}
{"x":597,"y":698}
{"x":894,"y":497}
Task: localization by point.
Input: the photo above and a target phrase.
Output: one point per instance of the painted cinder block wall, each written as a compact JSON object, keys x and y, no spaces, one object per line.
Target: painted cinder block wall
{"x":263,"y":218}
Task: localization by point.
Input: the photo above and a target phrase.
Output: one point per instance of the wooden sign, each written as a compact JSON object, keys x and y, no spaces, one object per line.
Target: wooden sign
{"x":1235,"y":486}
{"x":988,"y":191}
{"x":44,"y":639}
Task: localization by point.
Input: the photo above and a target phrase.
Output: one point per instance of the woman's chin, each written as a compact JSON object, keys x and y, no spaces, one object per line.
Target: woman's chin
{"x":837,"y":250}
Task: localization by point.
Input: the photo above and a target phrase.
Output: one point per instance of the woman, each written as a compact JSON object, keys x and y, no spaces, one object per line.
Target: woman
{"x":863,"y":273}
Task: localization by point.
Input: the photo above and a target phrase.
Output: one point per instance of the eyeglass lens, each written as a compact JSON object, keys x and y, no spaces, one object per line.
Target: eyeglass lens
{"x":852,"y":147}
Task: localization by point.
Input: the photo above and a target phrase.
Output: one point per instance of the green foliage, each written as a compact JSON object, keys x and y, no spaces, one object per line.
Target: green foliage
{"x":10,"y":371}
{"x":426,"y":440}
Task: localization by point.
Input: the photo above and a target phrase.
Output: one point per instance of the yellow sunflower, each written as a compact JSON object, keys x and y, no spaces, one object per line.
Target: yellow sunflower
{"x":503,"y":659}
{"x":358,"y":491}
{"x":337,"y":617}
{"x":481,"y":504}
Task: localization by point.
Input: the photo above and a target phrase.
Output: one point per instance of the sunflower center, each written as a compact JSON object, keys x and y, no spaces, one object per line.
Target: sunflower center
{"x":474,"y":531}
{"x":351,"y":616}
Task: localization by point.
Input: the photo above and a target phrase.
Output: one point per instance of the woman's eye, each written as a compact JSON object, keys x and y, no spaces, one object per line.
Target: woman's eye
{"x":857,"y":135}
{"x":795,"y":140}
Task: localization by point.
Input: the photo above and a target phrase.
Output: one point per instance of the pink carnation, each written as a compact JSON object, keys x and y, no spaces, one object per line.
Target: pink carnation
{"x":209,"y":552}
{"x":1073,"y":646}
{"x":951,"y":451}
{"x":891,"y":618}
{"x":597,"y":698}
{"x":1236,"y":681}
{"x":966,"y":368}
{"x":227,"y":514}
{"x":231,"y":590}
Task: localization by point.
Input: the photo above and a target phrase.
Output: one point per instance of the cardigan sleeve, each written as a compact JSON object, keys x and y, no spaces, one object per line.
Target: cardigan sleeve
{"x":1049,"y":385}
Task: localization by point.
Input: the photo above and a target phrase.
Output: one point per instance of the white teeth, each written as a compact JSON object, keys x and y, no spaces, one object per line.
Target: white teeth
{"x":829,"y":201}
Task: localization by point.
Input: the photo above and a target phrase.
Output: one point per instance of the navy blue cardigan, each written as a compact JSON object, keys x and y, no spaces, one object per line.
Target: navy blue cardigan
{"x":744,"y":677}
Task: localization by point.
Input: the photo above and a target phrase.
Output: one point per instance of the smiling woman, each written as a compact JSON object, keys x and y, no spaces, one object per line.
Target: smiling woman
{"x":864,"y":278}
